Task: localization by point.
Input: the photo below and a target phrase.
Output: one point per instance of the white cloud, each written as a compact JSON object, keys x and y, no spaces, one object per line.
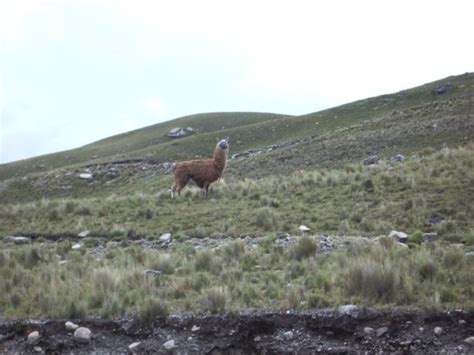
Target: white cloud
{"x":154,"y":105}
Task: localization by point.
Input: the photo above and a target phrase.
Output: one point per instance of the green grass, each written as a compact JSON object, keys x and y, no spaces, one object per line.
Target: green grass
{"x":350,"y":201}
{"x":379,"y":273}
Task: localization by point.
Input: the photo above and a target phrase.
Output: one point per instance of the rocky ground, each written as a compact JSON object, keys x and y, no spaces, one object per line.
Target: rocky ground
{"x":347,"y":330}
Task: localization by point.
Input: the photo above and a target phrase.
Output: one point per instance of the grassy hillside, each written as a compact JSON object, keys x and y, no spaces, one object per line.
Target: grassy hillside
{"x":242,"y":246}
{"x":357,"y":128}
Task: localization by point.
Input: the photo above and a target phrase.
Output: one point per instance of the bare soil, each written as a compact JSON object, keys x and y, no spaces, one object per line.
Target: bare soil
{"x":251,"y":332}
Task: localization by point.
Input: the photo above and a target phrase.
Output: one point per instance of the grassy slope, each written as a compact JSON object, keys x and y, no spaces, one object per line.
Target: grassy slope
{"x":250,"y":130}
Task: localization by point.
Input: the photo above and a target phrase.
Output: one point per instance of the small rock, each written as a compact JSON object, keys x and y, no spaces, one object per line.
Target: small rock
{"x":368,"y":330}
{"x":400,"y":236}
{"x":421,"y":329}
{"x":195,"y":328}
{"x":70,"y":326}
{"x":85,"y":176}
{"x":470,"y":254}
{"x":257,"y":339}
{"x":33,"y":337}
{"x":373,"y":159}
{"x":165,"y":238}
{"x":469,"y":340}
{"x":83,"y":234}
{"x":397,"y":158}
{"x":381,"y":331}
{"x":62,"y":262}
{"x":288,"y":335}
{"x":443,"y":89}
{"x":16,"y":240}
{"x":134,"y":346}
{"x":406,"y":343}
{"x":38,"y":349}
{"x":303,"y":228}
{"x":347,"y":309}
{"x":76,"y":246}
{"x":82,"y":334}
{"x":438,"y":330}
{"x":169,"y":345}
{"x":462,"y":322}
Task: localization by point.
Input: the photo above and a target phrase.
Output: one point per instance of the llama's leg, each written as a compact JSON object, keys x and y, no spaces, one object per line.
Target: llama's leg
{"x":179,"y":185}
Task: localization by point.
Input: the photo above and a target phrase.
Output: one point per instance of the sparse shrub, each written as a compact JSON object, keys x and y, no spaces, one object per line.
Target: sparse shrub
{"x":163,"y":263}
{"x":204,"y":260}
{"x":233,"y":250}
{"x":453,"y":257}
{"x":150,"y":308}
{"x":304,"y":248}
{"x":373,"y":281}
{"x":83,"y":210}
{"x":53,"y":215}
{"x":368,"y":185}
{"x":416,"y":237}
{"x":214,"y":300}
{"x":427,"y":269}
{"x":69,"y":206}
{"x":318,"y":300}
{"x":266,"y":218}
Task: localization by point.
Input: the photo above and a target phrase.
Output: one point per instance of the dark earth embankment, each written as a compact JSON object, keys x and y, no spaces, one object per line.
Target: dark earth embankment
{"x":345,"y":331}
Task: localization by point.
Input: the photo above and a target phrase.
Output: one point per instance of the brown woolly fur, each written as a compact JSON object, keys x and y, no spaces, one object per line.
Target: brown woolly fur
{"x":202,"y":172}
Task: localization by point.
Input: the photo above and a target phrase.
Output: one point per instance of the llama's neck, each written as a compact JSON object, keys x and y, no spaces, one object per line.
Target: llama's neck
{"x":220,"y":158}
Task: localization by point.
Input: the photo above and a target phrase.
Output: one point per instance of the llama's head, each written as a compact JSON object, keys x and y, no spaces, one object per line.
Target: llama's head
{"x":223,"y":144}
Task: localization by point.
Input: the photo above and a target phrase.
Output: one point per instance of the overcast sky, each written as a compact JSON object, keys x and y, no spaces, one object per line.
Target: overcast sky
{"x":73,"y":72}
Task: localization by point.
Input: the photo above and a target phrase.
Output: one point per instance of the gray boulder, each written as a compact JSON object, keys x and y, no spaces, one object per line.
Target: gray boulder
{"x":16,"y":240}
{"x":373,"y":159}
{"x":399,"y":236}
{"x":33,"y":337}
{"x":169,"y":345}
{"x":443,"y":89}
{"x":179,"y":132}
{"x":397,"y":158}
{"x":82,"y":334}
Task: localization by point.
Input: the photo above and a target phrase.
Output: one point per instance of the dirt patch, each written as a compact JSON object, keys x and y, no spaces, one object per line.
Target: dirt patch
{"x":324,"y":331}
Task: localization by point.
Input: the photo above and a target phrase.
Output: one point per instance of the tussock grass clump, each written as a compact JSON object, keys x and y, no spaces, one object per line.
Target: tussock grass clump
{"x":150,"y":308}
{"x":266,"y":218}
{"x":214,"y":299}
{"x":304,"y":248}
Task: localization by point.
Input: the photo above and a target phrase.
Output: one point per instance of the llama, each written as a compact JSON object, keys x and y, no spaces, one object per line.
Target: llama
{"x":202,"y":172}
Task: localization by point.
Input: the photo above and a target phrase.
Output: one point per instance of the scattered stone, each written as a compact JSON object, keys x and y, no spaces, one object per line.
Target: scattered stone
{"x":257,"y":339}
{"x":462,"y":322}
{"x":33,"y":337}
{"x":169,"y":345}
{"x":470,"y":254}
{"x":288,"y":335}
{"x":421,"y":329}
{"x":134,"y":346}
{"x":397,"y":158}
{"x":179,"y":132}
{"x":469,"y":340}
{"x":38,"y":349}
{"x":406,"y":343}
{"x":82,"y":334}
{"x":70,"y":326}
{"x":400,"y":236}
{"x":62,"y":262}
{"x":373,"y":159}
{"x":16,"y":240}
{"x":83,"y":234}
{"x":76,"y":246}
{"x":368,"y":330}
{"x":381,"y":331}
{"x":86,"y":176}
{"x":195,"y":328}
{"x":430,"y":237}
{"x":438,"y":330}
{"x":347,"y":309}
{"x":303,"y":228}
{"x":402,"y":245}
{"x":443,"y":89}
{"x":165,"y":238}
